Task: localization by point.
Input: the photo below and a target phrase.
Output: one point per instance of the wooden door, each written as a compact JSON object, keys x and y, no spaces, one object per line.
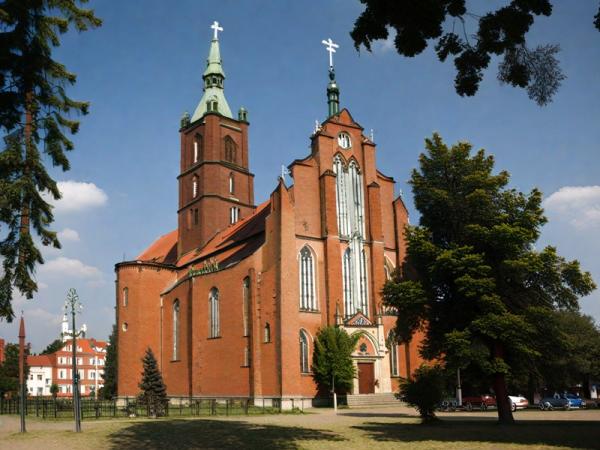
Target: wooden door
{"x":366,"y":378}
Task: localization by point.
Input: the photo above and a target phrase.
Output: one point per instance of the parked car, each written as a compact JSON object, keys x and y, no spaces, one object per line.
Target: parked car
{"x":564,"y":401}
{"x":482,"y":402}
{"x":518,"y":402}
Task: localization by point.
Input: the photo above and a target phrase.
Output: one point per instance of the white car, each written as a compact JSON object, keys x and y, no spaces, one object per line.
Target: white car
{"x":518,"y":402}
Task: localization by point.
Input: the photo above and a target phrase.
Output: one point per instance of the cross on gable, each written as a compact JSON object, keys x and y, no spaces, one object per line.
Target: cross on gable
{"x":215,"y":26}
{"x":331,"y":49}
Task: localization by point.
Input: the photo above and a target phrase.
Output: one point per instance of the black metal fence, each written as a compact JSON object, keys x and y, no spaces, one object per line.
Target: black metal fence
{"x":49,"y":408}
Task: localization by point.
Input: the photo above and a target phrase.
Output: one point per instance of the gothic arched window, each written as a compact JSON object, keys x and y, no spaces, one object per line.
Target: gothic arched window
{"x":267,"y":333}
{"x":195,"y":186}
{"x":341,"y":196}
{"x":357,"y":200}
{"x":214,"y":329}
{"x":231,"y":183}
{"x":304,"y":367}
{"x":246,"y":306}
{"x":347,"y":276}
{"x":230,"y":149}
{"x":197,"y":156}
{"x":363,"y":287}
{"x":125,"y":297}
{"x":308,"y":300}
{"x":393,"y":345}
{"x":176,"y":330}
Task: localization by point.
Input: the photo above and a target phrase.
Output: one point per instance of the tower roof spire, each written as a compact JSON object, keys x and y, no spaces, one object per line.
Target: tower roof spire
{"x":333,"y":92}
{"x":213,"y":99}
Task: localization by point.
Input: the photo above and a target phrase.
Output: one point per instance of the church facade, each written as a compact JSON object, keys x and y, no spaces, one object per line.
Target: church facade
{"x":231,"y":301}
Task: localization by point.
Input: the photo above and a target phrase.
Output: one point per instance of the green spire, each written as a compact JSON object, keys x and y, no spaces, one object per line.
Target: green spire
{"x":213,"y":99}
{"x":333,"y":94}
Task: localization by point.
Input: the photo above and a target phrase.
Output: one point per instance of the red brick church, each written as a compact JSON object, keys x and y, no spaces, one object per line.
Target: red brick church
{"x":231,"y":301}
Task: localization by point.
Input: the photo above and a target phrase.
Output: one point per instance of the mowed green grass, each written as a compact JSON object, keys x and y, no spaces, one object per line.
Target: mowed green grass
{"x":352,"y":430}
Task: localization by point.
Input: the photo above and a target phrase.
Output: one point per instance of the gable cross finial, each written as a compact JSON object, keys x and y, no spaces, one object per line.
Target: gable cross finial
{"x":331,"y":46}
{"x":215,"y":26}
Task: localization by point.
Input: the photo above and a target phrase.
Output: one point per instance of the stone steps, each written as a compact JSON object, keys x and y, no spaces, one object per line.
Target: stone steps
{"x":367,"y":400}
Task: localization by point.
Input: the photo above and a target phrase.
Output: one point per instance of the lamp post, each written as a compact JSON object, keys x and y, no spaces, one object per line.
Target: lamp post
{"x":75,"y":306}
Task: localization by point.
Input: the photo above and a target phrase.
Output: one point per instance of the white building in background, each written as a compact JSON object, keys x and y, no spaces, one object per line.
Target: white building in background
{"x":40,"y":374}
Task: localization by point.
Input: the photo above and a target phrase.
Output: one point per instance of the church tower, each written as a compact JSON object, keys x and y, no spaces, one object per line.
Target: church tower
{"x":216,"y":189}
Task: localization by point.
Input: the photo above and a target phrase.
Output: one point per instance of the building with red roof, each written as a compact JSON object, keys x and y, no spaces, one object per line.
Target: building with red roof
{"x":231,"y":301}
{"x":57,"y":368}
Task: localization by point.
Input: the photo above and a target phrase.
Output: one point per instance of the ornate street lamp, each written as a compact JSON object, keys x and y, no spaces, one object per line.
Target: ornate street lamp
{"x":75,"y":306}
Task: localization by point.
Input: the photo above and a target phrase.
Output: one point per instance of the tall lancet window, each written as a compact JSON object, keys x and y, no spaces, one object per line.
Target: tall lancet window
{"x":197,"y":148}
{"x":231,"y":184}
{"x":347,"y":279}
{"x":230,"y":149}
{"x":304,"y":368}
{"x":308,"y":300}
{"x":393,"y":346}
{"x":362,"y":284}
{"x":214,"y":329}
{"x":175,"y":330}
{"x":357,"y":200}
{"x":195,"y":186}
{"x":246,"y":306}
{"x":341,"y":196}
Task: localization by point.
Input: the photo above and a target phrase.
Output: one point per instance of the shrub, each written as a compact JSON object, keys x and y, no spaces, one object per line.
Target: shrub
{"x":425,"y":390}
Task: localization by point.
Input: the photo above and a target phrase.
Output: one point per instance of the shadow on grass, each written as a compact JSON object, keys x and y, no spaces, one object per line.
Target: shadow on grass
{"x":573,"y":434}
{"x":375,"y":414}
{"x":208,"y":434}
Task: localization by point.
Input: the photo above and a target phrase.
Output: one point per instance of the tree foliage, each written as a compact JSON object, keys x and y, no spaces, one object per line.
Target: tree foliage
{"x":109,"y":390}
{"x":332,"y":359}
{"x":35,"y":111}
{"x":500,"y":33}
{"x":9,"y":370}
{"x":479,"y":288}
{"x":54,"y":390}
{"x":153,"y":390}
{"x":425,"y":390}
{"x":54,"y":346}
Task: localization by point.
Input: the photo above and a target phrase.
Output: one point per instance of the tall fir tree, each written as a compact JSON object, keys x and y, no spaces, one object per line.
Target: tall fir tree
{"x":34,"y":110}
{"x":332,"y":359}
{"x":153,"y":390}
{"x":109,"y":390}
{"x":478,"y":286}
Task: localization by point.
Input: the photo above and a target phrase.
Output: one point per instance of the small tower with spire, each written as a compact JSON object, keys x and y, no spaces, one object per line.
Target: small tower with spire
{"x":333,"y":92}
{"x":216,"y":189}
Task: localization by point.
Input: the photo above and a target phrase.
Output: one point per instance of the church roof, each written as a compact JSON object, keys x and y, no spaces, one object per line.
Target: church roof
{"x":163,"y":250}
{"x":234,"y":243}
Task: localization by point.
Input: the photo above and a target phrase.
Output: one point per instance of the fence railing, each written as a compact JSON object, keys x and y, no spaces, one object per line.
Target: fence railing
{"x":49,"y":408}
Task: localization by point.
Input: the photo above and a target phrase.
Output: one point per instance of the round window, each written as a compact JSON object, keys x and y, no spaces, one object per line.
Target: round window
{"x":344,"y":140}
{"x":124,"y":326}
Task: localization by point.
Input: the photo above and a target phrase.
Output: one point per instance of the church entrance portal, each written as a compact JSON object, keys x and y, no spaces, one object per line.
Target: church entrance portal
{"x":366,"y":378}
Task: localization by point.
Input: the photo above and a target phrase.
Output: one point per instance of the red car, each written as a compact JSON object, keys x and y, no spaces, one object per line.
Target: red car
{"x":482,"y":402}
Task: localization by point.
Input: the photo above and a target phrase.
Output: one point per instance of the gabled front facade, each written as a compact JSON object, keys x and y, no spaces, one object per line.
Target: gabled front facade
{"x":232,"y":300}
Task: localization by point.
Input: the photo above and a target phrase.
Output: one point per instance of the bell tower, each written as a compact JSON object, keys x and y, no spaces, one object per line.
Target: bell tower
{"x":216,"y":188}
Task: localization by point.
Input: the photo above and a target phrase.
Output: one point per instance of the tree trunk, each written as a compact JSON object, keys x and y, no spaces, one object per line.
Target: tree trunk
{"x":505,"y":415}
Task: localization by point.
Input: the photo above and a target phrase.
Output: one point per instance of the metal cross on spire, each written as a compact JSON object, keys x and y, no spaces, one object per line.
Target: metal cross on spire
{"x":331,"y":49}
{"x":215,"y":26}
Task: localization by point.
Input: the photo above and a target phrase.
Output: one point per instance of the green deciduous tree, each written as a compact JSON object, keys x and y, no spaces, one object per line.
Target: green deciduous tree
{"x":9,"y":370}
{"x":34,"y":110}
{"x":54,"y":390}
{"x":472,"y":40}
{"x":332,"y":359}
{"x":480,"y":289}
{"x":54,"y":346}
{"x":109,"y":390}
{"x":425,"y":390}
{"x":153,"y":390}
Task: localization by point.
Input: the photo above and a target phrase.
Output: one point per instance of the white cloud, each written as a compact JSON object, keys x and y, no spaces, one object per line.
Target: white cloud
{"x":578,"y":205}
{"x":67,"y":267}
{"x":68,"y":234}
{"x":78,"y":196}
{"x":384,"y":46}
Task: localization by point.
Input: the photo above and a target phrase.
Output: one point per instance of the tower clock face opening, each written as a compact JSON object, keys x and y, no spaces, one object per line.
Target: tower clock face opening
{"x":344,"y":140}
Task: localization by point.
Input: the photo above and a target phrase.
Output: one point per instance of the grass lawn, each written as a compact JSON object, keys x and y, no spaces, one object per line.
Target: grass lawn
{"x":391,"y":428}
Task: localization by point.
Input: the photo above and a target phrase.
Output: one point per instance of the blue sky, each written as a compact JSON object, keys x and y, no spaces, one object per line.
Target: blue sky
{"x":142,"y":69}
